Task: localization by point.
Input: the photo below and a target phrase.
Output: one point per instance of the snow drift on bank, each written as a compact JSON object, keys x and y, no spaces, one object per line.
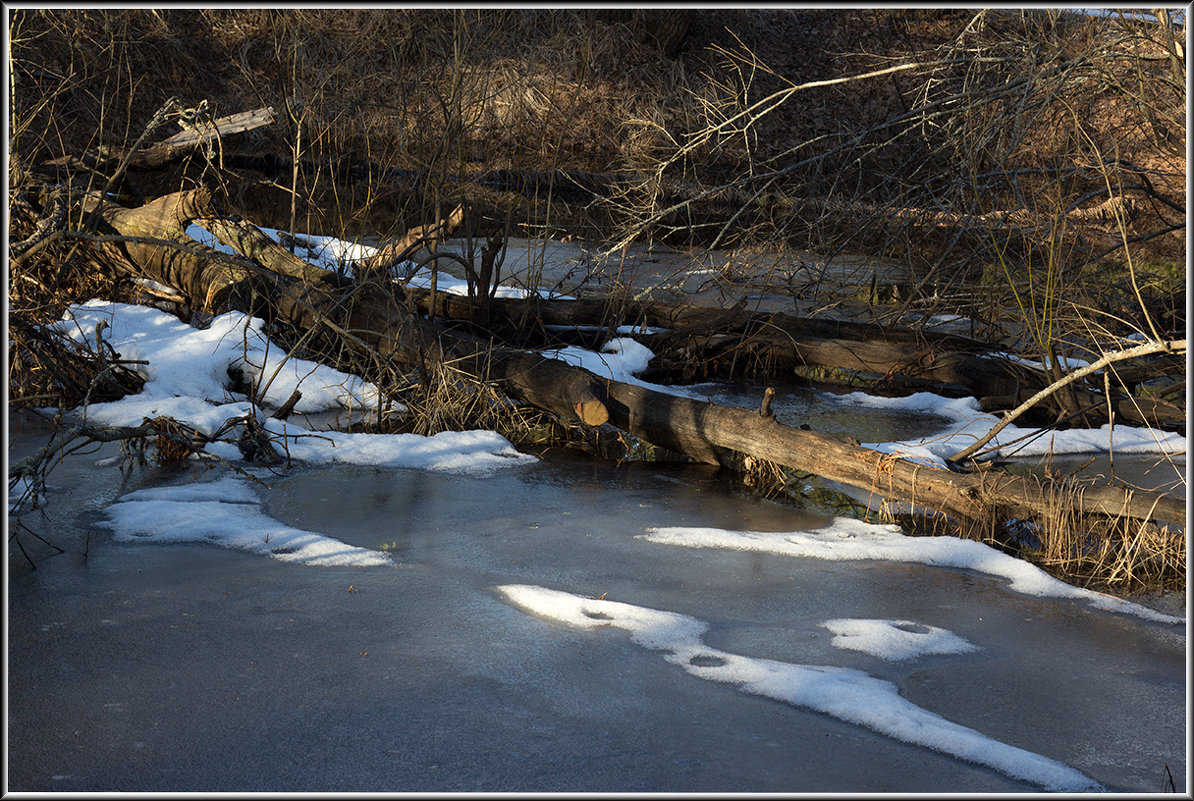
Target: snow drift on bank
{"x":189,"y":377}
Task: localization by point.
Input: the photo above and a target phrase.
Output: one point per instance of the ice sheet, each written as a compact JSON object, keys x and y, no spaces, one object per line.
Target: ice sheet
{"x":844,"y":693}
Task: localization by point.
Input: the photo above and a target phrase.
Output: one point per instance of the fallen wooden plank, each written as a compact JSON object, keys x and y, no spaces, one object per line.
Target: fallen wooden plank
{"x":225,"y":126}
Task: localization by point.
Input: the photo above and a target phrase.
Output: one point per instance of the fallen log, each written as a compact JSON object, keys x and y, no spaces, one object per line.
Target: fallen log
{"x":767,"y":344}
{"x":198,"y":134}
{"x":152,"y":238}
{"x":702,"y":343}
{"x":161,"y":153}
{"x":701,"y":428}
{"x":420,"y":236}
{"x":373,"y":317}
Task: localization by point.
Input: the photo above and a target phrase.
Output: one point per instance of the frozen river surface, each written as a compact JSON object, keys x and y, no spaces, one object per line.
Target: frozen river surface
{"x":190,"y":667}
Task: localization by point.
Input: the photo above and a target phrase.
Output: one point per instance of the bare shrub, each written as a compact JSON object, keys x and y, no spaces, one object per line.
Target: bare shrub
{"x":1017,"y":140}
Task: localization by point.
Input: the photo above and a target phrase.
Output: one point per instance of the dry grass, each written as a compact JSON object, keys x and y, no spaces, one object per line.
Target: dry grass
{"x":446,"y":399}
{"x":1120,"y":555}
{"x":436,"y":92}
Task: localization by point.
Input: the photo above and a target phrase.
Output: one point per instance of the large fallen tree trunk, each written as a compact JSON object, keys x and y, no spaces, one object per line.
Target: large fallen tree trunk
{"x":707,"y":343}
{"x":372,"y":317}
{"x":701,"y":343}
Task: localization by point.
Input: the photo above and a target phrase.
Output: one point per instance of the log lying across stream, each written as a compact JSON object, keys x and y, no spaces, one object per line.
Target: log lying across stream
{"x":699,"y":343}
{"x":379,"y":319}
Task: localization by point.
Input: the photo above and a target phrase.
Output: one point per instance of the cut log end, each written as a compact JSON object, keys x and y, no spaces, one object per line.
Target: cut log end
{"x":591,"y":412}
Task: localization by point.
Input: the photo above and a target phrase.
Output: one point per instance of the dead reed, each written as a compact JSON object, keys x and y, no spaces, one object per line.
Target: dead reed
{"x":1120,"y":555}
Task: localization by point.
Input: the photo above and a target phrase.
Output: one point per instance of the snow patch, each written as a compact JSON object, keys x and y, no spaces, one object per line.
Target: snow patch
{"x":895,"y":639}
{"x":465,"y":452}
{"x":189,"y":367}
{"x":226,"y":513}
{"x":845,"y":539}
{"x":968,"y":423}
{"x":619,"y":360}
{"x":853,"y":696}
{"x":187,"y":379}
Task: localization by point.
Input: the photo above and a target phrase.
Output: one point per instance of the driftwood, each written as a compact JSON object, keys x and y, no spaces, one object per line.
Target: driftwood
{"x":224,"y":126}
{"x":201,"y":132}
{"x":374,"y":318}
{"x":161,"y":153}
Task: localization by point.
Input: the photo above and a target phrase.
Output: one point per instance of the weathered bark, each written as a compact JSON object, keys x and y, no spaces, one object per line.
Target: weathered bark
{"x":374,"y":318}
{"x":155,"y":244}
{"x":256,"y":245}
{"x":178,"y":145}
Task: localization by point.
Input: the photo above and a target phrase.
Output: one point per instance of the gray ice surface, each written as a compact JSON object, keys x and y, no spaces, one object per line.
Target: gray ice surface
{"x":194,"y":668}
